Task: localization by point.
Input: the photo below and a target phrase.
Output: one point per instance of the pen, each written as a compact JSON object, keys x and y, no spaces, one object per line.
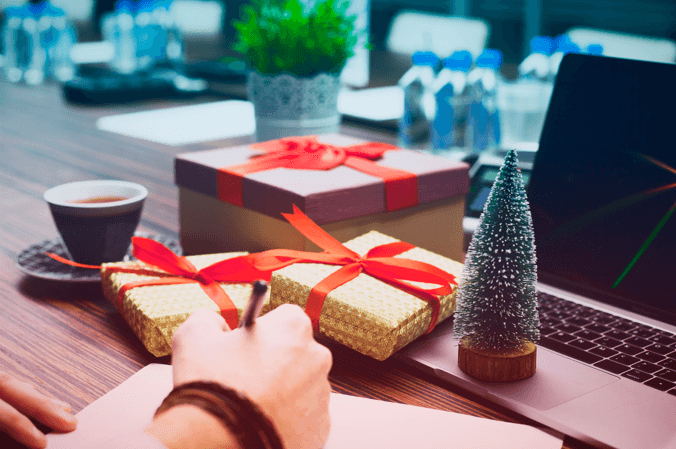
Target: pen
{"x":255,"y":304}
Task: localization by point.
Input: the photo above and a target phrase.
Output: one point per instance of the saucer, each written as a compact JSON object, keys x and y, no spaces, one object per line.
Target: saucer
{"x":34,"y":262}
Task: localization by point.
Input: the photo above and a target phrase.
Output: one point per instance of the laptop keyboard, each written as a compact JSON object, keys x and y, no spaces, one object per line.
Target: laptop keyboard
{"x":620,"y":346}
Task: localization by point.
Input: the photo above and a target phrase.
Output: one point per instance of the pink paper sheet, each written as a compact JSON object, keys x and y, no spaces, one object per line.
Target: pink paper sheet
{"x":355,"y":422}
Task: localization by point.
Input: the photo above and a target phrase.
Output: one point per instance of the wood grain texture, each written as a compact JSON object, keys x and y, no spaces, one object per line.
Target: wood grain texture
{"x":66,"y":339}
{"x":492,"y":366}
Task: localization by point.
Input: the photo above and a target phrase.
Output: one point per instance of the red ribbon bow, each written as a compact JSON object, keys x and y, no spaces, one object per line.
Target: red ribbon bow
{"x":307,"y":153}
{"x":179,"y":270}
{"x":379,"y":262}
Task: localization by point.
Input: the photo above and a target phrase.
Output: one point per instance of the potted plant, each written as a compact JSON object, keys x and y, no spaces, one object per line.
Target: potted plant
{"x":296,"y":54}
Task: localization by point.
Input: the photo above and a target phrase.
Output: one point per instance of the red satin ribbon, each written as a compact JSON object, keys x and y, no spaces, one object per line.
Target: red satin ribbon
{"x":179,"y":270}
{"x":379,"y":262}
{"x":307,"y":153}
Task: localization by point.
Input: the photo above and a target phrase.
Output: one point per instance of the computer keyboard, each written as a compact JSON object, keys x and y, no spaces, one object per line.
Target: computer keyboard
{"x":620,"y":346}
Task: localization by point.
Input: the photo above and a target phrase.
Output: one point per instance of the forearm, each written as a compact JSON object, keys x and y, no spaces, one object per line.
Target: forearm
{"x":189,"y":427}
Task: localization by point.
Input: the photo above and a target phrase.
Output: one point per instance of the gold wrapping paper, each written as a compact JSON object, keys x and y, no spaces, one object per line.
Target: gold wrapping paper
{"x":155,"y":312}
{"x":366,"y":314}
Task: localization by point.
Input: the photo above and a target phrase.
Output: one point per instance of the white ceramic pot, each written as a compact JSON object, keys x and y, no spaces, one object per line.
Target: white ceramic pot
{"x":289,"y":106}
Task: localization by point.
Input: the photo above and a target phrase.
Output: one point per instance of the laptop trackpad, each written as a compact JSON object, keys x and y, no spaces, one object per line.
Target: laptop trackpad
{"x":557,"y":379}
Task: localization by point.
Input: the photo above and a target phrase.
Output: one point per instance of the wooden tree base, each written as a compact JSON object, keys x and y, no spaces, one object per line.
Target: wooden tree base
{"x":496,"y":367}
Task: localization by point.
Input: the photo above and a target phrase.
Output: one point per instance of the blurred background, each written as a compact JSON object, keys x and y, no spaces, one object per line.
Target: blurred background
{"x":512,"y":22}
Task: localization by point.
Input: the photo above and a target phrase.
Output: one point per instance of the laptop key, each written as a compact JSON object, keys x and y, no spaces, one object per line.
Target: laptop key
{"x":586,"y":312}
{"x":624,"y":359}
{"x":561,"y":336}
{"x":642,"y":332}
{"x":668,"y":363}
{"x":663,"y":340}
{"x":603,"y":318}
{"x":666,"y":374}
{"x":617,"y":335}
{"x":546,"y":330}
{"x":587,"y":334}
{"x":558,"y":315}
{"x":568,"y":328}
{"x":599,"y":328}
{"x":607,"y":342}
{"x":638,"y":376}
{"x":672,"y":392}
{"x":624,"y":325}
{"x":628,"y":349}
{"x":637,"y":341}
{"x":569,"y":351}
{"x":577,"y":321}
{"x":611,"y":366}
{"x":582,"y":344}
{"x":650,"y":356}
{"x":660,"y":349}
{"x":603,"y":351}
{"x":646,"y":367}
{"x":660,"y":384}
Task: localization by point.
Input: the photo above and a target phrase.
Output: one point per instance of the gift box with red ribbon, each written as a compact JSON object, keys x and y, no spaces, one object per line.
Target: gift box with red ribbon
{"x":374,"y":294}
{"x":156,"y":294}
{"x":231,"y":198}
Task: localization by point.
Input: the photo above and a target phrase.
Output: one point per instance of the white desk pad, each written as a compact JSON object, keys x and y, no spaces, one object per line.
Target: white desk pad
{"x":355,"y":422}
{"x":185,"y":125}
{"x":373,"y":104}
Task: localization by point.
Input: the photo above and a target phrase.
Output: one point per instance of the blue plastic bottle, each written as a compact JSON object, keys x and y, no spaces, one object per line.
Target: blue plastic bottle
{"x":61,"y":67}
{"x":416,"y":82}
{"x":536,"y":65}
{"x":17,"y":44}
{"x":124,"y":60}
{"x":37,"y":65}
{"x":483,"y":120}
{"x":563,"y":45}
{"x":450,"y":92}
{"x":595,"y":49}
{"x":146,"y":33}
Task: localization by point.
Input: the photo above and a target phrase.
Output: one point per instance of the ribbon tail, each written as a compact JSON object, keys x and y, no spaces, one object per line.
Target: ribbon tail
{"x":317,"y":235}
{"x":315,"y":301}
{"x":71,"y":263}
{"x":223,"y":301}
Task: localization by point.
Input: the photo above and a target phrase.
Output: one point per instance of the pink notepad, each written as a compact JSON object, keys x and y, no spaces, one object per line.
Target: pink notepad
{"x":355,"y":422}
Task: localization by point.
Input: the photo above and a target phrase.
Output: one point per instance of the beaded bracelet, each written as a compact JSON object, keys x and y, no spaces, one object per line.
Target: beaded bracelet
{"x":251,"y":428}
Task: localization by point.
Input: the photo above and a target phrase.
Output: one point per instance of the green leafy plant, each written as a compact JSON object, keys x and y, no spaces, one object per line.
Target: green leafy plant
{"x":285,"y":36}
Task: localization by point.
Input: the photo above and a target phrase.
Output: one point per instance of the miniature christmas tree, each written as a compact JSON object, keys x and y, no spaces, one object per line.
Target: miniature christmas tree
{"x":496,"y":318}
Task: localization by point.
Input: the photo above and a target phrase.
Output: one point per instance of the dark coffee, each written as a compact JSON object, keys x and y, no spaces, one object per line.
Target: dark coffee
{"x":101,"y":199}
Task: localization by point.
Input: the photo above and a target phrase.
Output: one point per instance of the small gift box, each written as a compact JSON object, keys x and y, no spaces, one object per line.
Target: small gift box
{"x":230,"y":199}
{"x":155,"y":297}
{"x":374,"y":294}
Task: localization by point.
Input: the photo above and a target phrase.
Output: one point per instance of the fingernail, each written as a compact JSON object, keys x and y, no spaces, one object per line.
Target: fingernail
{"x":64,"y":405}
{"x":67,"y":417}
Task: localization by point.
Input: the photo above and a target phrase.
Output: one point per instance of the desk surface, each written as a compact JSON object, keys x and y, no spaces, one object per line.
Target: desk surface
{"x":67,"y":339}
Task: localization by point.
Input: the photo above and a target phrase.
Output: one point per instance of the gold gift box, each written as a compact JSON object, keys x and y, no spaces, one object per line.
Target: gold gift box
{"x":366,"y":314}
{"x":155,"y":312}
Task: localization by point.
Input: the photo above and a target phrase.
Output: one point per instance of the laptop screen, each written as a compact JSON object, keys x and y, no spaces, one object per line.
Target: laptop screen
{"x":603,"y":186}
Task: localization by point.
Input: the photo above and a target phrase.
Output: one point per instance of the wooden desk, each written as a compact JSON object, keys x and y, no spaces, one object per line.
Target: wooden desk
{"x":66,"y":338}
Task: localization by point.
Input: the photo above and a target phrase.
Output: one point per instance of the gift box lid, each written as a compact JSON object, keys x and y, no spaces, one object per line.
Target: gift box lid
{"x":326,"y":196}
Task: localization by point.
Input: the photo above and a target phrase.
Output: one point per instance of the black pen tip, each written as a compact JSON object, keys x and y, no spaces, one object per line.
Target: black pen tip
{"x":260,"y":287}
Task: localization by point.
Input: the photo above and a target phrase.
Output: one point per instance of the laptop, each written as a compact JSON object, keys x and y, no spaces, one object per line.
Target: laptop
{"x":602,"y":194}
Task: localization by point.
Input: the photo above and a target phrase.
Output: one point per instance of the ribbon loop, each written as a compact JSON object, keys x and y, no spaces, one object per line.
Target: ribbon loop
{"x":307,"y":153}
{"x":379,"y":262}
{"x":179,"y":270}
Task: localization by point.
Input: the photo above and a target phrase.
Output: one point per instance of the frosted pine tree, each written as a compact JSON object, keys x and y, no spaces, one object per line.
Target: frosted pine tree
{"x":497,"y":303}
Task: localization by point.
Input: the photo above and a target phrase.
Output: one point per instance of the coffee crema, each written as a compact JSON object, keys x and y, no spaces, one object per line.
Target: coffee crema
{"x":101,"y":199}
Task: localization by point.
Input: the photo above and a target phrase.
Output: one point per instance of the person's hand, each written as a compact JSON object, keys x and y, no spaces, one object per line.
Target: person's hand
{"x":276,"y":363}
{"x":20,"y":401}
